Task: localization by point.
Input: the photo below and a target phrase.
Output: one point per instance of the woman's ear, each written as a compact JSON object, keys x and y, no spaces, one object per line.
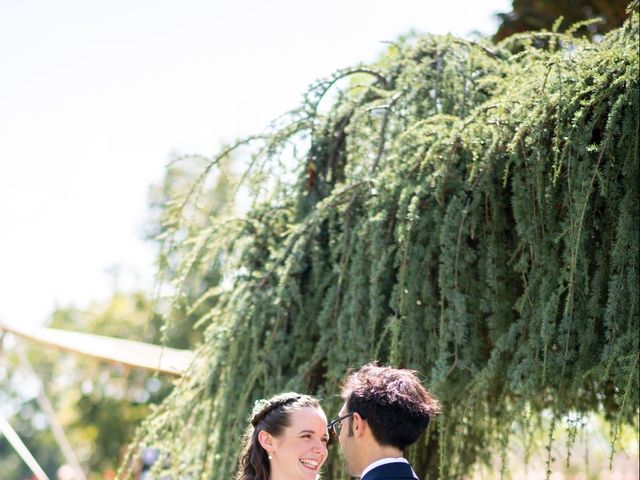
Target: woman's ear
{"x":266,"y":440}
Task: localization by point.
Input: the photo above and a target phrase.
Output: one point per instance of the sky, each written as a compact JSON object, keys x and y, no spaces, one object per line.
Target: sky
{"x":96,"y":96}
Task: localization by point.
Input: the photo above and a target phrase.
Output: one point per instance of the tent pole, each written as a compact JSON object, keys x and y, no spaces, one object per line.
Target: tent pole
{"x":56,"y":428}
{"x":10,"y":434}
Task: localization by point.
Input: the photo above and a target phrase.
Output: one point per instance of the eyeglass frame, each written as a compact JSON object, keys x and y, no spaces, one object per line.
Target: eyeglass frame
{"x":338,"y":421}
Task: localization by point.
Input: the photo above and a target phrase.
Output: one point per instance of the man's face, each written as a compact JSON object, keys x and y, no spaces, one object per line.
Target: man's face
{"x":347,"y":443}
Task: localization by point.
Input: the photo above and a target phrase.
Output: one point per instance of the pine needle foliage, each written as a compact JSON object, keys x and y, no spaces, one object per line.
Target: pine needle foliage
{"x":456,"y":208}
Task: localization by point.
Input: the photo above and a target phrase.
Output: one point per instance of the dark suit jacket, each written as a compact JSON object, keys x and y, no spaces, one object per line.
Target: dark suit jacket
{"x":390,"y":471}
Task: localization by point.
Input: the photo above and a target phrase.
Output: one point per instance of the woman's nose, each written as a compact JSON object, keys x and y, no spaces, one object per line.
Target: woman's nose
{"x":319,"y":446}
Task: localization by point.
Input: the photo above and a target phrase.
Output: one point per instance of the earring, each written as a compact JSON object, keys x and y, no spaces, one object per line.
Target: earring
{"x":270,"y":457}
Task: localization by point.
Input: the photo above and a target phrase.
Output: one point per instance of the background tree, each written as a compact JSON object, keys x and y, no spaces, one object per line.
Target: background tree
{"x":18,"y":401}
{"x":187,"y":202}
{"x":99,"y":405}
{"x":531,"y":15}
{"x":467,"y":210}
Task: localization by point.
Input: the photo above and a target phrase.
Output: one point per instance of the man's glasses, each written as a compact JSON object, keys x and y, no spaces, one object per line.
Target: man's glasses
{"x":335,"y":426}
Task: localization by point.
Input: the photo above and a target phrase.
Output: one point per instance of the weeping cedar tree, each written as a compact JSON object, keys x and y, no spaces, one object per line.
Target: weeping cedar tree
{"x":457,"y":209}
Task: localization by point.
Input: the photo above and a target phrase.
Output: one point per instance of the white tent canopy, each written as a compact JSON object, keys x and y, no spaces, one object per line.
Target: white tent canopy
{"x":114,"y":350}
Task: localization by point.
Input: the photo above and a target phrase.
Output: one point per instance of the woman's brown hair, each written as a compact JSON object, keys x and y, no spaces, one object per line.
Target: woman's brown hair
{"x":272,"y":415}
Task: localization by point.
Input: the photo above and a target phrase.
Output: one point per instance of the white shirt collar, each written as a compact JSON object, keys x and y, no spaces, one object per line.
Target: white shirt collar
{"x":384,"y":461}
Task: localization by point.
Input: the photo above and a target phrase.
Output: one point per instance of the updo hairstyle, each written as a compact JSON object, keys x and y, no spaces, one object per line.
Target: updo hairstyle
{"x":272,"y":415}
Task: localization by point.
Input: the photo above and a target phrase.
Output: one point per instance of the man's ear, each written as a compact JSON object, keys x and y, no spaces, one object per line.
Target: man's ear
{"x":359,"y":425}
{"x":267,"y":441}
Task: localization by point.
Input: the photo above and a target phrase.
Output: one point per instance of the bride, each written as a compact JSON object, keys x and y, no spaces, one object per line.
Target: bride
{"x":286,"y":440}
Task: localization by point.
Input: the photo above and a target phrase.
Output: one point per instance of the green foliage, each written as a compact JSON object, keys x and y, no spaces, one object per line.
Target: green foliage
{"x":459,"y":209}
{"x":101,"y":405}
{"x":29,"y":423}
{"x":98,"y":405}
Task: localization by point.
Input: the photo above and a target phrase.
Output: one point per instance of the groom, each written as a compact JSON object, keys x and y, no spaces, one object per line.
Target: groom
{"x":385,"y":410}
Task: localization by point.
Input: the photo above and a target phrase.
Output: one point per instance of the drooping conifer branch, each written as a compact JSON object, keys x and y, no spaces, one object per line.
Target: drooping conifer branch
{"x":470,"y":212}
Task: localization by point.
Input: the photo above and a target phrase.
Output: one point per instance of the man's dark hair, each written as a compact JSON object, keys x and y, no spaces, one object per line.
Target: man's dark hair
{"x":392,"y":401}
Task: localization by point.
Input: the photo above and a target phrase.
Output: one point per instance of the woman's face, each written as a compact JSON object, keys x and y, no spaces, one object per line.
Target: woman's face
{"x":301,"y":450}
